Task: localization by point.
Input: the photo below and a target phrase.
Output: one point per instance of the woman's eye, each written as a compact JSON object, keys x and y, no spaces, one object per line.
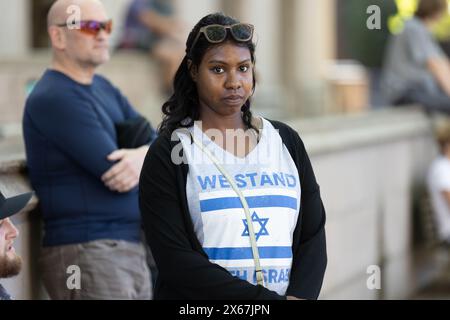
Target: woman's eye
{"x":217,"y":69}
{"x":243,"y":68}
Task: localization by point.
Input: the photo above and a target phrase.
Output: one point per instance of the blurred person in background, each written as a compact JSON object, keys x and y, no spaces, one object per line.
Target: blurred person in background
{"x":416,"y":70}
{"x":10,"y":262}
{"x":150,"y":26}
{"x":438,"y":182}
{"x":86,"y":183}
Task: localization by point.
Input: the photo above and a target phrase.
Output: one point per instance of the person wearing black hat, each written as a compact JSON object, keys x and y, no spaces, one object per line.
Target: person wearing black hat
{"x":10,"y":262}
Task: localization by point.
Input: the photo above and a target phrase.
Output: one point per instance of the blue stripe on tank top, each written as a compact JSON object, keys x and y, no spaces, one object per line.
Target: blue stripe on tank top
{"x":246,"y":253}
{"x":253,"y":202}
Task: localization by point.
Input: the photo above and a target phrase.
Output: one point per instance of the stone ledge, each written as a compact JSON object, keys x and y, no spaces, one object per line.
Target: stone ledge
{"x":338,"y":133}
{"x":12,"y":155}
{"x":321,"y":135}
{"x":43,"y":56}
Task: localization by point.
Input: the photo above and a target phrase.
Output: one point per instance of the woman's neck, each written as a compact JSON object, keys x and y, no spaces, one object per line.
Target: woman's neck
{"x":213,"y":121}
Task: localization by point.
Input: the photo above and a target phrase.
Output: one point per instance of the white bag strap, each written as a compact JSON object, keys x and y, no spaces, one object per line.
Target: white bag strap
{"x":251,"y":232}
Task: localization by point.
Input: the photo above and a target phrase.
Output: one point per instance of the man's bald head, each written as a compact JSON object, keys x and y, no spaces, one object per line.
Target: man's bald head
{"x":72,"y":46}
{"x":59,"y":14}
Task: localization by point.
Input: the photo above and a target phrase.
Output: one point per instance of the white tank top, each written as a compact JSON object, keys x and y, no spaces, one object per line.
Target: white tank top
{"x":269,"y":180}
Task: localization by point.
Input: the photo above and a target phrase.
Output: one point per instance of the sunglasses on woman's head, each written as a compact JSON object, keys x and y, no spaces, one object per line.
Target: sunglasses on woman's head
{"x":216,"y":33}
{"x":91,"y":27}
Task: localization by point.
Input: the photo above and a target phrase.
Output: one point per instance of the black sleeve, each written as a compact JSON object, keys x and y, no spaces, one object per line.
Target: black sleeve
{"x":309,"y":247}
{"x":188,"y":272}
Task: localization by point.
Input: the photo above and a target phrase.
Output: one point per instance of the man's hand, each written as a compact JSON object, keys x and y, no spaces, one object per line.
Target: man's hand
{"x":124,"y":175}
{"x":440,"y":69}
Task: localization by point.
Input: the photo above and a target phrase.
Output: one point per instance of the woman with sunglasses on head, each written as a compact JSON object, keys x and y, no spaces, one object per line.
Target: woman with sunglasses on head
{"x":229,"y":220}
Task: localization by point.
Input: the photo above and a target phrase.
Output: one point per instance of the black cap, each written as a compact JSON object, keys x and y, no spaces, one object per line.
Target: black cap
{"x":10,"y":206}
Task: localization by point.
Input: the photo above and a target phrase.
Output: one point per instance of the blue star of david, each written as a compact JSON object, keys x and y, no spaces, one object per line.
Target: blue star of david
{"x":262,"y":222}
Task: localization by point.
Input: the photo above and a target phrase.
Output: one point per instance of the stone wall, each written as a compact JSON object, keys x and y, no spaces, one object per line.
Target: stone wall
{"x":367,"y":167}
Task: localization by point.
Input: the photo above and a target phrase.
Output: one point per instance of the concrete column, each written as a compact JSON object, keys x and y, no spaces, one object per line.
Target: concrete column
{"x":15,"y":28}
{"x":117,"y":10}
{"x":193,"y":10}
{"x":265,"y":15}
{"x":308,"y":42}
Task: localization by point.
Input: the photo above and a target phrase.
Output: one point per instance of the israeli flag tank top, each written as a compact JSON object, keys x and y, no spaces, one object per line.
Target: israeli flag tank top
{"x":268,"y":178}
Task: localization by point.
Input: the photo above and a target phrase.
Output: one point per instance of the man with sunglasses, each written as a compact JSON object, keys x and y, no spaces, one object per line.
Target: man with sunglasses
{"x":86,"y":185}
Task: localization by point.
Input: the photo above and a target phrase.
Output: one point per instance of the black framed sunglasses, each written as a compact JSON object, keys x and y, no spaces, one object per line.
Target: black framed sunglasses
{"x":216,"y":33}
{"x":92,"y":27}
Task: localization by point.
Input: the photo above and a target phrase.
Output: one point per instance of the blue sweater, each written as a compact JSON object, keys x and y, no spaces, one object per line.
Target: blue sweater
{"x":69,"y":132}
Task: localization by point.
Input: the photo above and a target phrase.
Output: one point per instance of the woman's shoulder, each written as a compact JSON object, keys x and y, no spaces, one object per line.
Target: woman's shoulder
{"x":414,"y":26}
{"x":159,"y":157}
{"x":441,"y":163}
{"x":164,"y":145}
{"x":290,"y":138}
{"x":286,"y":132}
{"x":163,"y":142}
{"x":279,"y":124}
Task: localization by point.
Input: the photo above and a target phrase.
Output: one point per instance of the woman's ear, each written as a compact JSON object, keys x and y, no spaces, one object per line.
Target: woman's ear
{"x":192,"y":70}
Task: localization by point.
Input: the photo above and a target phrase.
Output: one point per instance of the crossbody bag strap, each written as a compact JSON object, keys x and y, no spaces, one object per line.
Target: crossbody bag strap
{"x":251,"y":232}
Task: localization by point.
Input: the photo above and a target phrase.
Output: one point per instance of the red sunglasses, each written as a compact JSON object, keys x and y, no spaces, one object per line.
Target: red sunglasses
{"x":91,"y":27}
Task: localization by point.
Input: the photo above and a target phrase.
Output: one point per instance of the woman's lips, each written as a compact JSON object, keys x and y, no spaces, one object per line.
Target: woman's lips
{"x":232,"y":100}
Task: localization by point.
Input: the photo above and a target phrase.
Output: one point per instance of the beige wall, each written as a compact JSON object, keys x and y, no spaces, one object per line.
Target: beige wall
{"x":117,"y":11}
{"x":367,"y":167}
{"x":309,"y":41}
{"x":15,"y":27}
{"x":295,"y":39}
{"x":270,"y":96}
{"x":192,"y":11}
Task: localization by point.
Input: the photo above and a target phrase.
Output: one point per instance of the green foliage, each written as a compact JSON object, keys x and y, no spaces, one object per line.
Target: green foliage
{"x":406,"y":9}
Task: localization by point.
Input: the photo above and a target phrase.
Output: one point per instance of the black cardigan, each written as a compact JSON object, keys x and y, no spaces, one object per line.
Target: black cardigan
{"x":184,"y":269}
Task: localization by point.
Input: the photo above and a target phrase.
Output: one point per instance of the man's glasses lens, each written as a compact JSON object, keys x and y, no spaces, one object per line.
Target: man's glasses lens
{"x":94,"y":27}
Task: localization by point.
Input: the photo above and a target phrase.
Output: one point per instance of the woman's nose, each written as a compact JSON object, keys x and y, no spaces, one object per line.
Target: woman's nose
{"x":233,"y":82}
